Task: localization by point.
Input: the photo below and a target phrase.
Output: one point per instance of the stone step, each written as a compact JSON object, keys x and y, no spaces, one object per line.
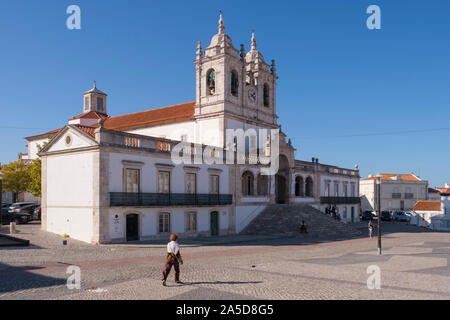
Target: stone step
{"x":279,"y":219}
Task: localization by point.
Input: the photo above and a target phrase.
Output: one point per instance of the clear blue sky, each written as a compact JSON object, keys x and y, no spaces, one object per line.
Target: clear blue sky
{"x":338,"y":80}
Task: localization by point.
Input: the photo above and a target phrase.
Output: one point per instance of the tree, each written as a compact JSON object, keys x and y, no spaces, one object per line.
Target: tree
{"x":35,"y":177}
{"x":16,"y":177}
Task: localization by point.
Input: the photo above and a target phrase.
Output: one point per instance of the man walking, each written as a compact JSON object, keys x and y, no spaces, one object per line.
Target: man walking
{"x":173,"y":259}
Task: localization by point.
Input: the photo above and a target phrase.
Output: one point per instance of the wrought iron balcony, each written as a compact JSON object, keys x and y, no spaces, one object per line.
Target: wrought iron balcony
{"x":340,"y":200}
{"x":396,"y":195}
{"x":123,"y":199}
{"x":409,"y":195}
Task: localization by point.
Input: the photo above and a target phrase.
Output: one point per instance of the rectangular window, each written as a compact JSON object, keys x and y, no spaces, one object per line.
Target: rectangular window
{"x":164,"y":182}
{"x":345,"y":189}
{"x":164,"y":222}
{"x":336,"y":189}
{"x":191,"y":222}
{"x":327,"y":188}
{"x":100,"y":104}
{"x":191,"y":183}
{"x":353,"y":189}
{"x":214,"y":184}
{"x":132,"y":180}
{"x":86,"y":103}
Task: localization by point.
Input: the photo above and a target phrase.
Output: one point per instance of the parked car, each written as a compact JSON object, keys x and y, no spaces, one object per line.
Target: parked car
{"x":367,"y":215}
{"x":37,"y":213}
{"x":400,"y":216}
{"x":20,"y":204}
{"x":386,"y":216}
{"x":8,"y":216}
{"x":24,"y":209}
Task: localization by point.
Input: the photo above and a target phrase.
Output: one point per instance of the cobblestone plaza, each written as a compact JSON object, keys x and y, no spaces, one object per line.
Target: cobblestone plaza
{"x":414,"y":265}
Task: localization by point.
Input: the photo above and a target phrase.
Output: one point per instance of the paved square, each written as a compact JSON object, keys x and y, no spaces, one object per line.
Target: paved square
{"x":414,"y":265}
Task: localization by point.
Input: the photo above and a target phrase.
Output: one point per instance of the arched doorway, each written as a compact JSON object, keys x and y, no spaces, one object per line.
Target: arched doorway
{"x":132,"y":227}
{"x":282,"y":181}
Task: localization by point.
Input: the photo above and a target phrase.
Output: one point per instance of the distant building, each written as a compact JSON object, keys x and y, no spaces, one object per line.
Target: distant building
{"x":398,"y":191}
{"x":434,"y":194}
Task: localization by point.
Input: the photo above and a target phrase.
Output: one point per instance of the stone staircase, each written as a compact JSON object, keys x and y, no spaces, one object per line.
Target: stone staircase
{"x":286,"y":218}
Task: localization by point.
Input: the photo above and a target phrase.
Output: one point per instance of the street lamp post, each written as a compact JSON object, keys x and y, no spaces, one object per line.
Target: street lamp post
{"x":379,"y":213}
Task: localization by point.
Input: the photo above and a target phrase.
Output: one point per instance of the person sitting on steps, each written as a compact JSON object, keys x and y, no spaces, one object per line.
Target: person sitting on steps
{"x":303,"y":227}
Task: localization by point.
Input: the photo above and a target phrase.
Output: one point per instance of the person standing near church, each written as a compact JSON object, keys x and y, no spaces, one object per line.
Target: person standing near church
{"x":173,"y":259}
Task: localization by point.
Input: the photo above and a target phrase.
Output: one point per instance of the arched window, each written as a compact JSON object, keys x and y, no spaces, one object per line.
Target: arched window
{"x":309,"y":187}
{"x":247,"y":184}
{"x":263,"y":185}
{"x":266,"y":95}
{"x":299,"y":190}
{"x":234,"y":83}
{"x":211,"y":82}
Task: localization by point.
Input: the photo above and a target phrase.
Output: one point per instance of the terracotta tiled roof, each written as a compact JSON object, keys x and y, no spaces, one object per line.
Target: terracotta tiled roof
{"x":89,"y":130}
{"x":151,"y":117}
{"x":423,"y":205}
{"x":91,"y":115}
{"x":444,"y":190}
{"x":391,"y":177}
{"x":43,"y":135}
{"x":432,"y":190}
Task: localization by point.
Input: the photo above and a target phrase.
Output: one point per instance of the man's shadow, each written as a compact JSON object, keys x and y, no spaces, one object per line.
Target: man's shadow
{"x":217,"y":283}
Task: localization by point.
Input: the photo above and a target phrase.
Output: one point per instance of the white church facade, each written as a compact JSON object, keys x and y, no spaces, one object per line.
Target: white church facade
{"x":113,"y":179}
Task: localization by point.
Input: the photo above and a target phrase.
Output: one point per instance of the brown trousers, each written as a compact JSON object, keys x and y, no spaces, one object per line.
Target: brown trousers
{"x":168,"y":267}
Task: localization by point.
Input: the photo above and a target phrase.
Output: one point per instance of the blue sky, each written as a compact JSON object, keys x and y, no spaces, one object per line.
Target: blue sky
{"x":345,"y":93}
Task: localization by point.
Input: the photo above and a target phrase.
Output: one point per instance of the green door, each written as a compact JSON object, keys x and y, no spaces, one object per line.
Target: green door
{"x":214,"y":223}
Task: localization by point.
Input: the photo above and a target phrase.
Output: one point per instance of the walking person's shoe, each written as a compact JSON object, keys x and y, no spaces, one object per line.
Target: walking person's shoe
{"x":164,"y":283}
{"x":179,"y":282}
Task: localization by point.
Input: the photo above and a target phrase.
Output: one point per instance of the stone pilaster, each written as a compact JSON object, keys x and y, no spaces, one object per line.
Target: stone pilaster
{"x":44,"y":193}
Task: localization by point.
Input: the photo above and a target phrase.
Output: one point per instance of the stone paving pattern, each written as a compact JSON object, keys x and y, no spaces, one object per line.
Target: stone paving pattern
{"x":414,"y":265}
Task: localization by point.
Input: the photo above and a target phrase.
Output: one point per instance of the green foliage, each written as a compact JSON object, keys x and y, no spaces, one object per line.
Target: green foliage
{"x":16,"y":177}
{"x":35,"y":177}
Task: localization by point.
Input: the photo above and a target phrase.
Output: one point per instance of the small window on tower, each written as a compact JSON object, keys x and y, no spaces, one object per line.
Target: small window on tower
{"x":86,"y":104}
{"x":266,"y":95}
{"x":211,"y":82}
{"x":234,"y":83}
{"x":100,"y":104}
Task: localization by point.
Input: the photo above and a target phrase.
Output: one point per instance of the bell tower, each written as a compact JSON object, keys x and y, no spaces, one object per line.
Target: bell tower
{"x":219,"y":73}
{"x":234,"y":89}
{"x":94,"y":100}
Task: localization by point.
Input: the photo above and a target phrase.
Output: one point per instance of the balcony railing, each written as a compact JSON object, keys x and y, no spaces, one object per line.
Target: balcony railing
{"x":123,"y":199}
{"x":340,"y":200}
{"x":409,"y":195}
{"x":396,"y":195}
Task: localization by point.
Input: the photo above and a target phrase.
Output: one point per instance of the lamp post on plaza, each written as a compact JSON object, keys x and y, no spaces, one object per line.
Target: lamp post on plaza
{"x":379,"y":213}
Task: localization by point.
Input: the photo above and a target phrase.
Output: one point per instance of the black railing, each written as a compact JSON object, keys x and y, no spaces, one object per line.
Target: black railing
{"x":340,"y":200}
{"x":123,"y":199}
{"x":409,"y":195}
{"x":396,"y":195}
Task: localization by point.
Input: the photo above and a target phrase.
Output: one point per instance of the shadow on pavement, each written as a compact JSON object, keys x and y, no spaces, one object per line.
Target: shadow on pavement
{"x":22,"y":278}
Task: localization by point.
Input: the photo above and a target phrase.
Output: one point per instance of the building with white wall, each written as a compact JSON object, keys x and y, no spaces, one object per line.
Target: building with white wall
{"x":108,"y":179}
{"x":398,"y":191}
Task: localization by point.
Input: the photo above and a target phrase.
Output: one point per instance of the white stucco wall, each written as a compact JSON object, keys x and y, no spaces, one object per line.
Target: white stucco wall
{"x":149,"y":221}
{"x":149,"y":173}
{"x":70,"y":187}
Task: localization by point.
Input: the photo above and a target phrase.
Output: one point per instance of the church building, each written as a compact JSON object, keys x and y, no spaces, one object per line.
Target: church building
{"x":113,"y":179}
